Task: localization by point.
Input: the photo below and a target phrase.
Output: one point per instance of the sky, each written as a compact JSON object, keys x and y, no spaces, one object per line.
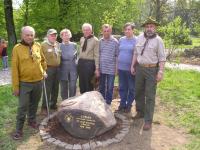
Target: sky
{"x":17,"y":3}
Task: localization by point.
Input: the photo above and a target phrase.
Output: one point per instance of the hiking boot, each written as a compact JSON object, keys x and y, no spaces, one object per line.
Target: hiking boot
{"x":138,"y":115}
{"x":17,"y":135}
{"x":147,"y":126}
{"x":33,"y":125}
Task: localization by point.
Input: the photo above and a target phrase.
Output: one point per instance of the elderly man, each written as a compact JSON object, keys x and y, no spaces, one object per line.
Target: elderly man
{"x":88,"y":63}
{"x":28,"y":68}
{"x":148,"y":64}
{"x":52,"y":53}
{"x":108,"y":51}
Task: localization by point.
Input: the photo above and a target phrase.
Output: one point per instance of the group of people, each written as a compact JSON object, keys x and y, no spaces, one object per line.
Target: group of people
{"x":138,"y":61}
{"x":3,"y":54}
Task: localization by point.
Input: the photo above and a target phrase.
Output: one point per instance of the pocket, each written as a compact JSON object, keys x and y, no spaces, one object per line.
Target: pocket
{"x":139,"y":47}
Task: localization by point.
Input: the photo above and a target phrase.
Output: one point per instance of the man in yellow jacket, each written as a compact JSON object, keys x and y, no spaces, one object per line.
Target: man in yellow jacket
{"x":28,"y":70}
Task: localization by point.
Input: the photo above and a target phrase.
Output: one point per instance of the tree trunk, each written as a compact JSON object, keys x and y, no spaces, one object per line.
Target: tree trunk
{"x":10,"y":26}
{"x":158,"y":11}
{"x":26,"y":2}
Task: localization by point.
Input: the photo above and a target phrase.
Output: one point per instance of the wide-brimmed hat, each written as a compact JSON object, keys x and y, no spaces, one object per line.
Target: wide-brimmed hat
{"x":150,"y":20}
{"x":51,"y":31}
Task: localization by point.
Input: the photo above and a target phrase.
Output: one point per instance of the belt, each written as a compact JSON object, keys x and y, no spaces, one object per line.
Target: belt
{"x":148,"y":65}
{"x":52,"y":66}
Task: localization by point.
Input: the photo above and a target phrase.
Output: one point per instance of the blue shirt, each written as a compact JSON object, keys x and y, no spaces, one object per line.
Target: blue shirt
{"x":126,"y":51}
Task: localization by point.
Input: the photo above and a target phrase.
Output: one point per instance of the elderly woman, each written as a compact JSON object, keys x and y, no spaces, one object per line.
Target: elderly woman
{"x":88,"y":64}
{"x":68,"y":70}
{"x":126,"y":79}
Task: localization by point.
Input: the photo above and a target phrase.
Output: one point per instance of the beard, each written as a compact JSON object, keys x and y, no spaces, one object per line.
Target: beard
{"x":149,"y":33}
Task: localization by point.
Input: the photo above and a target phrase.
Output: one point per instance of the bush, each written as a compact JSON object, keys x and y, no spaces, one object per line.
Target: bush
{"x":175,"y":33}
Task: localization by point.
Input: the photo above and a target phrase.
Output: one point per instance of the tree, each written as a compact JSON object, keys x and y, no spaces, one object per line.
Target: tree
{"x":174,"y":34}
{"x":2,"y":22}
{"x":10,"y":27}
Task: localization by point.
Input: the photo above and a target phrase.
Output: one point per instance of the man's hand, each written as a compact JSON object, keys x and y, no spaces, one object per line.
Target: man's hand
{"x":97,"y":73}
{"x":45,"y":75}
{"x":159,"y":76}
{"x":133,"y":71}
{"x":16,"y":93}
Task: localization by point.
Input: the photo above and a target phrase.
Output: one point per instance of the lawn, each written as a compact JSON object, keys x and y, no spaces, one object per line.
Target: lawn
{"x":180,"y":93}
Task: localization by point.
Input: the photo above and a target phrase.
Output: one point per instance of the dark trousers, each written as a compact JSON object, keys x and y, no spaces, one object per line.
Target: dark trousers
{"x":106,"y":86}
{"x":145,"y":91}
{"x":126,"y":88}
{"x":52,"y":87}
{"x":86,"y":69}
{"x":29,"y":97}
{"x":67,"y":88}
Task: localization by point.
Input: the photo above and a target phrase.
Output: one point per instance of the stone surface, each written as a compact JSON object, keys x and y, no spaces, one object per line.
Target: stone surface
{"x":51,"y":140}
{"x":68,"y":146}
{"x":57,"y":142}
{"x":77,"y":147}
{"x":62,"y":144}
{"x":93,"y":145}
{"x":86,"y":116}
{"x":86,"y":146}
{"x":46,"y":137}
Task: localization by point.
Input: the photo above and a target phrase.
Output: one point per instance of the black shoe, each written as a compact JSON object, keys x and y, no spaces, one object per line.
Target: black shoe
{"x":17,"y":135}
{"x":147,"y":126}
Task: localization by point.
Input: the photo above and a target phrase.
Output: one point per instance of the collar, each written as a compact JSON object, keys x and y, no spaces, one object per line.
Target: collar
{"x":49,"y":43}
{"x":26,"y":44}
{"x":109,"y":39}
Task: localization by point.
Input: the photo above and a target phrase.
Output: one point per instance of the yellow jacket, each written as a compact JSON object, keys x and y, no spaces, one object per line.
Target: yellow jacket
{"x":28,"y":65}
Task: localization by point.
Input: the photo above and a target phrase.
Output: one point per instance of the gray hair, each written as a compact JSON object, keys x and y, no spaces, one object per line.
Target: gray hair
{"x":87,"y":25}
{"x":27,"y":28}
{"x":66,"y":31}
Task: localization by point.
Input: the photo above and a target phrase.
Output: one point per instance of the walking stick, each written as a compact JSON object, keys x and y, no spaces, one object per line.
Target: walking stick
{"x":47,"y":103}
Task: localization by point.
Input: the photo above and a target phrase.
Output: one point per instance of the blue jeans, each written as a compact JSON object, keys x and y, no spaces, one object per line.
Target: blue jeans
{"x":5,"y":62}
{"x":126,"y":88}
{"x":106,"y":86}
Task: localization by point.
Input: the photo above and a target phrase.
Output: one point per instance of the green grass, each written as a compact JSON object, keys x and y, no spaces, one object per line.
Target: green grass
{"x":180,"y":93}
{"x":8,"y":104}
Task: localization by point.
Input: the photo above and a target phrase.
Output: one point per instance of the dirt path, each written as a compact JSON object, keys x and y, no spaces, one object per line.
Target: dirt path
{"x":161,"y":137}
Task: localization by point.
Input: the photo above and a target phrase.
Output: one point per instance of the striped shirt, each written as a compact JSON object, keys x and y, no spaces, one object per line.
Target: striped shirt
{"x":108,"y":51}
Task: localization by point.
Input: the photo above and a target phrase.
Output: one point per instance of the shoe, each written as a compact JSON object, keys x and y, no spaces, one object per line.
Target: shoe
{"x":17,"y":135}
{"x":147,"y":126}
{"x":138,"y":115}
{"x":33,"y":125}
{"x":43,"y":111}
